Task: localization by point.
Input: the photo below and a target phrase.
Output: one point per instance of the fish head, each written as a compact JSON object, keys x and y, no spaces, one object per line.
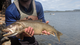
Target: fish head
{"x":11,"y":29}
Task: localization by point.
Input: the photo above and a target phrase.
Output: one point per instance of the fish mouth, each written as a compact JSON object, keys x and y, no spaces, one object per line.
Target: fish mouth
{"x":9,"y":33}
{"x":5,"y":30}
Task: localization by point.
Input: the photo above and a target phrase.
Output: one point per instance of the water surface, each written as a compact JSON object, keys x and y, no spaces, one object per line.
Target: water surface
{"x":66,"y":22}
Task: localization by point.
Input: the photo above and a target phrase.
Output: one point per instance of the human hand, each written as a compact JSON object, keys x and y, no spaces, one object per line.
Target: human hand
{"x":30,"y":31}
{"x":45,"y":32}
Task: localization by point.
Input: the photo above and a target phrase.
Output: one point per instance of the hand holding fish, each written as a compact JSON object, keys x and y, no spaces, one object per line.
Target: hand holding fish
{"x":45,"y":32}
{"x":30,"y":31}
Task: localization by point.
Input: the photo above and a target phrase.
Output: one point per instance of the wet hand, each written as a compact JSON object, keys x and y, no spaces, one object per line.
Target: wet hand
{"x":30,"y":31}
{"x":45,"y":32}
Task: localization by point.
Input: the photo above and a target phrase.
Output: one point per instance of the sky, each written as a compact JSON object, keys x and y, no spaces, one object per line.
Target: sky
{"x":60,"y":5}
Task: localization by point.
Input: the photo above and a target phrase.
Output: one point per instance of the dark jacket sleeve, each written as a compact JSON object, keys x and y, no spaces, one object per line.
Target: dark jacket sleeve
{"x":40,"y":12}
{"x":9,"y":18}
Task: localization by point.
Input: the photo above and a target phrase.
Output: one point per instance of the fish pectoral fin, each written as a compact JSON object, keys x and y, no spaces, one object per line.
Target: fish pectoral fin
{"x":28,"y":35}
{"x":21,"y":36}
{"x":53,"y":34}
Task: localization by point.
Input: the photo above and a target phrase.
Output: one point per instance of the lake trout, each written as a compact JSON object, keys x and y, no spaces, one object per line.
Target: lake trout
{"x":19,"y":26}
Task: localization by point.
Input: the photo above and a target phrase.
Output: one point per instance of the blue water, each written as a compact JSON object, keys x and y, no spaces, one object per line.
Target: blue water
{"x":66,"y":22}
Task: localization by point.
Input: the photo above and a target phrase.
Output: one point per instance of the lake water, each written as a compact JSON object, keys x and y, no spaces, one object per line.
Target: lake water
{"x":66,"y":22}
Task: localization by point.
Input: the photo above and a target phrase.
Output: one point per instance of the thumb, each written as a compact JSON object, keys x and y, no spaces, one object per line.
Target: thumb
{"x":47,"y":22}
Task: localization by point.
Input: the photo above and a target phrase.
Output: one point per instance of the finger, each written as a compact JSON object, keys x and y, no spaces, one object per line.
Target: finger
{"x":32,"y":33}
{"x":28,"y":29}
{"x":47,"y":22}
{"x":48,"y":33}
{"x":44,"y":32}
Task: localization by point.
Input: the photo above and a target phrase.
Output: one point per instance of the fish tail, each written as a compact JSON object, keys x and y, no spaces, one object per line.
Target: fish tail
{"x":58,"y":35}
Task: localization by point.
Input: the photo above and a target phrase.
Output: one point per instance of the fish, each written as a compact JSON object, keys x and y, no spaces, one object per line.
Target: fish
{"x":17,"y":28}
